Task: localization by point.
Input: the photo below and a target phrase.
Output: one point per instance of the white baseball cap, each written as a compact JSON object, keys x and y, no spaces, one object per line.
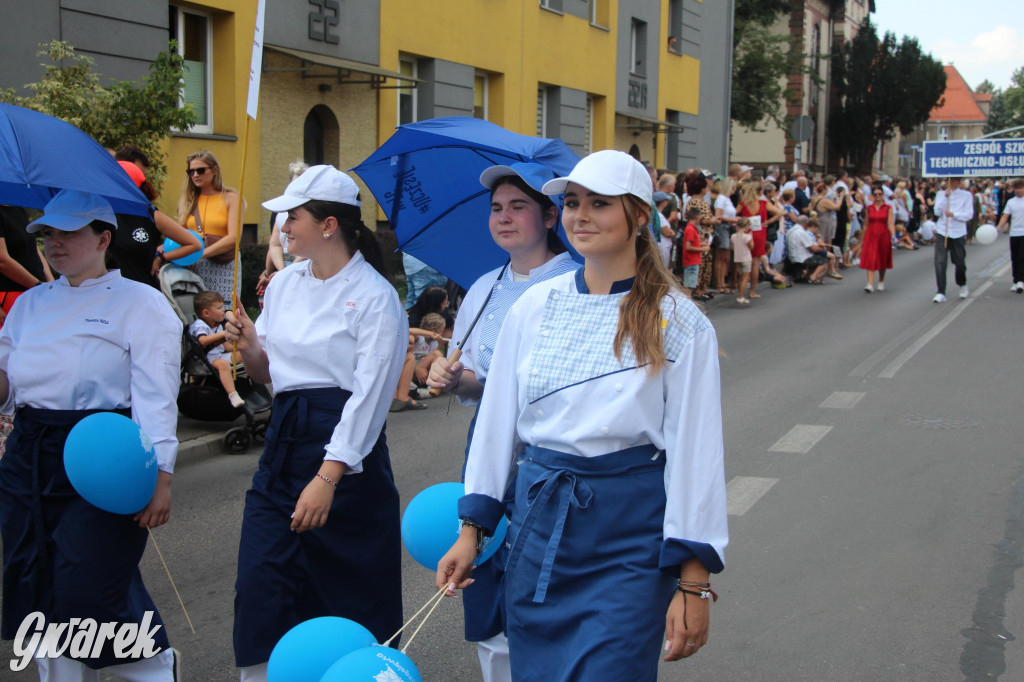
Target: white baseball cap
{"x":320,"y":183}
{"x":71,"y":210}
{"x":608,"y":172}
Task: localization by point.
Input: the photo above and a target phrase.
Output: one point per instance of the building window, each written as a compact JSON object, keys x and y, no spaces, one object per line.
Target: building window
{"x":553,"y":5}
{"x":193,"y":33}
{"x":638,"y":47}
{"x":406,"y":92}
{"x":675,"y":26}
{"x":542,"y":110}
{"x":480,"y":96}
{"x":943,"y":133}
{"x":590,"y":125}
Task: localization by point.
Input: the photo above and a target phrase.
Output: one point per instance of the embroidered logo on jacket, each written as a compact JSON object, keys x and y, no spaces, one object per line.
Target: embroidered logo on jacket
{"x":140,"y":235}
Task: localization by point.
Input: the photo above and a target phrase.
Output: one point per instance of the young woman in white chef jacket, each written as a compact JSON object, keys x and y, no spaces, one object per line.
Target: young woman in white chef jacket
{"x":320,"y":532}
{"x":605,"y":397}
{"x":523,"y":222}
{"x":89,"y":342}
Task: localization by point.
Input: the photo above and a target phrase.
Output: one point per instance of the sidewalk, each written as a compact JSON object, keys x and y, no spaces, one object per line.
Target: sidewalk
{"x":198,"y":439}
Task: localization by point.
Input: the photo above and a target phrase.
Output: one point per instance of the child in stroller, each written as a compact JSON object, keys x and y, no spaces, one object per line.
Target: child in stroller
{"x":208,"y":330}
{"x":201,"y":395}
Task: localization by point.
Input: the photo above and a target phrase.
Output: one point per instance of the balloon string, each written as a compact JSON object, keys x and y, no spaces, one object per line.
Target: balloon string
{"x":161,"y":555}
{"x":420,"y":626}
{"x":437,"y":597}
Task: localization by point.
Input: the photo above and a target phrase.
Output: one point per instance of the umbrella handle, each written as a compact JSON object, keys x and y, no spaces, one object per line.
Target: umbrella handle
{"x":454,"y":357}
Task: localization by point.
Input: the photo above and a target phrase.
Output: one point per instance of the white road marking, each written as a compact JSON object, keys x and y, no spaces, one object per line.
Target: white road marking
{"x":843,"y":400}
{"x":800,"y":439}
{"x":911,"y":350}
{"x":743,"y":491}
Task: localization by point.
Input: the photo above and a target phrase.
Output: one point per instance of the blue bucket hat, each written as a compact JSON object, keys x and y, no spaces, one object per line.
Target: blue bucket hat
{"x":71,"y":210}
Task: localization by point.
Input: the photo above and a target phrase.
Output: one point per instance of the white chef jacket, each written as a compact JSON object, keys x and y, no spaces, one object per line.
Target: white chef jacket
{"x":348,"y":331}
{"x":556,"y":383}
{"x":961,"y":203}
{"x":478,"y":347}
{"x":108,"y":343}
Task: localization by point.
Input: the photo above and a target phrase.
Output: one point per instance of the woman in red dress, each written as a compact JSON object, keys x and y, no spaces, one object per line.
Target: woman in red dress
{"x":876,"y":253}
{"x":754,"y":206}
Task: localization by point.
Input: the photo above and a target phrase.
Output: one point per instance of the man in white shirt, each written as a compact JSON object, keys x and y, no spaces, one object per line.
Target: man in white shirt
{"x":1013,"y":214}
{"x":953,"y":208}
{"x":805,"y":250}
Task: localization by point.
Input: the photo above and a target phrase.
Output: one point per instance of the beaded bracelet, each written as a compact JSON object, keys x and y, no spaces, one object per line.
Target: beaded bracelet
{"x":327,"y":480}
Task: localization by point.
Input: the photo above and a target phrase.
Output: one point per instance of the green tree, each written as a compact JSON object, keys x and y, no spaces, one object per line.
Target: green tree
{"x":883,"y":86}
{"x":139,"y":113}
{"x":761,"y":62}
{"x":1007,"y":109}
{"x":985,"y":86}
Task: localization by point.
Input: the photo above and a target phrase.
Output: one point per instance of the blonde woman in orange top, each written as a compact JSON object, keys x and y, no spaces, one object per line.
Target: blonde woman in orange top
{"x":211,"y":209}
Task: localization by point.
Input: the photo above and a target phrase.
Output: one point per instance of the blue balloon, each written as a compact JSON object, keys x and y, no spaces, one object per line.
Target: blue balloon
{"x":170,"y":245}
{"x":311,"y":647}
{"x":111,"y":463}
{"x":373,"y":664}
{"x":430,"y":525}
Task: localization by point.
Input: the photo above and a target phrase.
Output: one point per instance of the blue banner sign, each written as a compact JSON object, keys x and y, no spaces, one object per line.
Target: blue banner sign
{"x":974,"y":158}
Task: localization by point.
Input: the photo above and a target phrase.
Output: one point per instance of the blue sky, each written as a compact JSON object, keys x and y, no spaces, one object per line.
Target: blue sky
{"x":982,"y":38}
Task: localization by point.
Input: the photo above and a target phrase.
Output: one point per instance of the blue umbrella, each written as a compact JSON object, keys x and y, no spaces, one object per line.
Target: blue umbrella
{"x":41,"y":155}
{"x":426,"y":177}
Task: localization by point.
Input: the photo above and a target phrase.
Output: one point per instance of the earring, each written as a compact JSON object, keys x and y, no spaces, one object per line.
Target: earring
{"x":327,"y":235}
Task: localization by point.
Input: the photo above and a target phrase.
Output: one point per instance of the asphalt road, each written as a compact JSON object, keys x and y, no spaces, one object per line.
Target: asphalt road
{"x":875,"y":481}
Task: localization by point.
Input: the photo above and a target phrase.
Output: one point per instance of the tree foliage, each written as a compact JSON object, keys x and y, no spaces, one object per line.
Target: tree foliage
{"x":127,"y":112}
{"x":883,"y":86}
{"x":1007,"y":109}
{"x":761,"y":63}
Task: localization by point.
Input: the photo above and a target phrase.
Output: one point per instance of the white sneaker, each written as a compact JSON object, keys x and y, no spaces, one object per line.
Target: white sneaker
{"x":939,"y":298}
{"x":1018,"y":287}
{"x":964,"y":291}
{"x":880,"y":287}
{"x":868,"y":288}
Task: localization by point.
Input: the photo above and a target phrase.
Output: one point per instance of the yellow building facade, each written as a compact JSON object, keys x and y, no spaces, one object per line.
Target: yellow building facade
{"x":339,"y":77}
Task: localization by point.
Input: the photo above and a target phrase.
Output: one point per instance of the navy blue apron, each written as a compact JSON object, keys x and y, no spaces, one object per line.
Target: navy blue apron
{"x":585,"y":598}
{"x":351,"y":567}
{"x":483,"y":602}
{"x":63,"y":556}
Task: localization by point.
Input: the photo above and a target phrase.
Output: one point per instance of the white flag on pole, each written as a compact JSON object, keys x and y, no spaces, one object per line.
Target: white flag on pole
{"x":256,"y":64}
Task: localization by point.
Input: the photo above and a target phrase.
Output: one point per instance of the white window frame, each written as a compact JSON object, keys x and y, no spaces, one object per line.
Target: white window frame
{"x":634,"y":34}
{"x":542,"y":106}
{"x":487,"y":93}
{"x":414,"y":91}
{"x":943,"y":133}
{"x":180,"y":12}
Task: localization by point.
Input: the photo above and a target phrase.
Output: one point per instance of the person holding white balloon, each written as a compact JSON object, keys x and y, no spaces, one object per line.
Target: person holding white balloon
{"x":523,"y":222}
{"x":89,"y":342}
{"x":1013,"y":222}
{"x":321,"y":527}
{"x":605,"y":396}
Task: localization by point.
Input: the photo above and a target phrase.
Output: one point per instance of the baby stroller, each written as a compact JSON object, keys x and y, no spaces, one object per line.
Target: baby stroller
{"x":201,"y":395}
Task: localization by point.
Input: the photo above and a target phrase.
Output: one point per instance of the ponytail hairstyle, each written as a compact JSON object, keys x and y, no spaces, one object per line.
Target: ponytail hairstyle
{"x":351,"y":229}
{"x":555,"y":244}
{"x":640,"y":318}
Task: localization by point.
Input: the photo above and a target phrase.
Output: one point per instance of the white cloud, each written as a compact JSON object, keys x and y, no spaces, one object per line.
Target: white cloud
{"x":993,"y":55}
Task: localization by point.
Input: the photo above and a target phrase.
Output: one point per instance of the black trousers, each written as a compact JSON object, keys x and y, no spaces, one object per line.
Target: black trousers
{"x":957,"y":253}
{"x":1017,"y":258}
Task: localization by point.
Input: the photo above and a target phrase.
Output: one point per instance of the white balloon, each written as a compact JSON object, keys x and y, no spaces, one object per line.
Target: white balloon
{"x":986,"y":234}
